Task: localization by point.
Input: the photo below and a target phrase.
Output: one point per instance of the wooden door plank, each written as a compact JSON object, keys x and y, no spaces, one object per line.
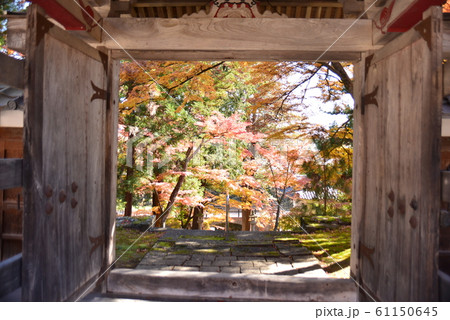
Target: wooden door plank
{"x":406,"y":168}
{"x":111,"y":140}
{"x":368,"y":247}
{"x":390,"y":154}
{"x":34,"y":68}
{"x":397,"y":207}
{"x":64,"y":245}
{"x":358,"y":176}
{"x":432,"y":119}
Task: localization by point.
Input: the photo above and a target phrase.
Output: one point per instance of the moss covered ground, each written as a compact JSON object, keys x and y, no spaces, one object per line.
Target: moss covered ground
{"x":125,"y":237}
{"x":331,"y":247}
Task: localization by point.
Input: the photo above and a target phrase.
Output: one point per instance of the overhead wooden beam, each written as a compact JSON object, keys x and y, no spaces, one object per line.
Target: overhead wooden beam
{"x":352,"y":8}
{"x":119,"y":7}
{"x":11,"y":173}
{"x":16,"y":33}
{"x":74,"y":15}
{"x":398,"y":16}
{"x":250,"y":37}
{"x":229,"y":55}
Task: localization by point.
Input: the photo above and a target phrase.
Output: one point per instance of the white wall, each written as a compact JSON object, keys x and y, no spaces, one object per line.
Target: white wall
{"x":11,"y":118}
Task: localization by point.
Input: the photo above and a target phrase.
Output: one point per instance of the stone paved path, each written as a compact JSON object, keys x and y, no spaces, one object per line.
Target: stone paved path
{"x":238,"y":252}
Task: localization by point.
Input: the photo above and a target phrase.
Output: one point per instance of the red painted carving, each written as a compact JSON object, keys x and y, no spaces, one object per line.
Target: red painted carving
{"x":385,"y":15}
{"x":88,"y":15}
{"x":410,"y":17}
{"x":230,"y":9}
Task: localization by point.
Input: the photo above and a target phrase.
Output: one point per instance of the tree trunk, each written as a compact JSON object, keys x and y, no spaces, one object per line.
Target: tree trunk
{"x":277,"y":217}
{"x":176,"y":190}
{"x":129,"y":194}
{"x":197,"y":221}
{"x":188,"y":217}
{"x":246,"y":219}
{"x":128,"y":203}
{"x":227,"y":212}
{"x":325,"y":194}
{"x":156,"y":209}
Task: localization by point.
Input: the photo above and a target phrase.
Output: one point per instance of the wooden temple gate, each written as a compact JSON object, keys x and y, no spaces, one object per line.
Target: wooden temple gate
{"x":396,"y":171}
{"x":71,"y":120}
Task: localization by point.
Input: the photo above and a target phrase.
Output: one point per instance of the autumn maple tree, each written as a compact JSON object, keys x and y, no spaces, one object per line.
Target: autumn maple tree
{"x":201,"y":135}
{"x":180,"y":111}
{"x":281,"y":171}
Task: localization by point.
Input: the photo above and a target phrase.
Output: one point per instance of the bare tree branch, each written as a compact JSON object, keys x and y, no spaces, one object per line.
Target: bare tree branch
{"x":338,"y":69}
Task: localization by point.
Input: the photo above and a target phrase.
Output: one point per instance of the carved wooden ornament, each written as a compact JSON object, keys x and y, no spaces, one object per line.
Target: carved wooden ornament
{"x":234,"y":9}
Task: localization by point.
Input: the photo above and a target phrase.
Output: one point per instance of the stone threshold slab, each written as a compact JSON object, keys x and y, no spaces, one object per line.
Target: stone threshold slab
{"x":211,"y":286}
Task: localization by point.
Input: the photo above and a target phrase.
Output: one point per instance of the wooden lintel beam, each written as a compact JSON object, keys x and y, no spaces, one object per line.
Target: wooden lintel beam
{"x":11,"y":173}
{"x":228,"y":55}
{"x":240,"y":35}
{"x":398,"y":16}
{"x":73,"y":15}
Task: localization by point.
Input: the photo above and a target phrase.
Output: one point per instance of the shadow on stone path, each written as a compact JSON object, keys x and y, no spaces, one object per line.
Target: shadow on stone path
{"x":275,"y":253}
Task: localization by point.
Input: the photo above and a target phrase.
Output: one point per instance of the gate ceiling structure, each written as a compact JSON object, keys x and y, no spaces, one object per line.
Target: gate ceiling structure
{"x":71,"y":117}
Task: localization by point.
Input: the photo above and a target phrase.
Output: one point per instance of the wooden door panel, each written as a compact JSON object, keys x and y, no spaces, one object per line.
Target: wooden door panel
{"x":67,"y":233}
{"x":396,"y":181}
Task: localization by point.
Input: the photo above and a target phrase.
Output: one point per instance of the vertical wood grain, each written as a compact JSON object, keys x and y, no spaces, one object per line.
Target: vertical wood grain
{"x":111,"y":131}
{"x":64,"y":246}
{"x":396,"y":200}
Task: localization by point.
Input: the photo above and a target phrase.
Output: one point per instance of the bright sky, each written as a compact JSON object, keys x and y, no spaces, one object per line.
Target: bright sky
{"x":316,"y":110}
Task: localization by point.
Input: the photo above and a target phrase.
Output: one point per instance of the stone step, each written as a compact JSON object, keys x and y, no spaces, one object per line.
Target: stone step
{"x":212,"y":286}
